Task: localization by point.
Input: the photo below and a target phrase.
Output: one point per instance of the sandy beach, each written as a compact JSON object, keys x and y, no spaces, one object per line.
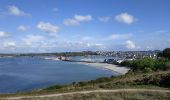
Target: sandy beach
{"x":116,"y":68}
{"x":51,"y":58}
{"x":112,"y":67}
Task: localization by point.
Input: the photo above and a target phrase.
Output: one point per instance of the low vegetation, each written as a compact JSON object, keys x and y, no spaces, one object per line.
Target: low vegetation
{"x":165,"y":53}
{"x":130,"y":80}
{"x":112,"y":96}
{"x":149,"y":64}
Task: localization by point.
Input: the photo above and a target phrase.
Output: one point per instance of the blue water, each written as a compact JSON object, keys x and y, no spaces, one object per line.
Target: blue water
{"x":26,"y":73}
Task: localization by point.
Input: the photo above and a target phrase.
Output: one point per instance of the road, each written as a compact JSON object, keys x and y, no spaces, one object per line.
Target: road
{"x":86,"y":92}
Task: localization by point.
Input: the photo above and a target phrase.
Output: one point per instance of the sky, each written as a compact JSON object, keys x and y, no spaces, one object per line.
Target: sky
{"x":37,"y":26}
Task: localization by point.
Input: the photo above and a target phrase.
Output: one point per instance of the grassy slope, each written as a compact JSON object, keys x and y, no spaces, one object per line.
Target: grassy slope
{"x":130,"y":80}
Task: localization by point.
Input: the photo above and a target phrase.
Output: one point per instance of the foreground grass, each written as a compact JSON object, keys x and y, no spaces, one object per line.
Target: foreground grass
{"x":111,"y":96}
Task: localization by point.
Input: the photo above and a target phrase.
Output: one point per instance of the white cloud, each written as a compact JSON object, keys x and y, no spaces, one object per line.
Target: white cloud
{"x":3,"y":34}
{"x":7,"y":45}
{"x":70,"y":22}
{"x":77,"y":19}
{"x":13,"y":10}
{"x":80,"y":45}
{"x":125,"y":18}
{"x":32,"y":39}
{"x":149,"y":47}
{"x":98,"y":46}
{"x":22,"y":28}
{"x":48,"y":27}
{"x":87,"y":38}
{"x":81,"y":18}
{"x":104,"y":19}
{"x":119,"y":36}
{"x":130,"y":44}
{"x":10,"y":44}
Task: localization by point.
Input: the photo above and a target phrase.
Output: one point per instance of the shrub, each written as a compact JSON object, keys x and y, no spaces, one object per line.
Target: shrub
{"x":82,"y":83}
{"x":166,"y":53}
{"x":54,"y":87}
{"x":148,"y":64}
{"x":102,"y":79}
{"x":165,"y":81}
{"x":163,"y":64}
{"x":126,"y":63}
{"x":146,"y":69}
{"x":145,"y":64}
{"x":167,"y":65}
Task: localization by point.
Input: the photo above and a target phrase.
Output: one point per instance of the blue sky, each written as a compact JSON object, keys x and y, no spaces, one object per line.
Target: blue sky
{"x":77,"y":25}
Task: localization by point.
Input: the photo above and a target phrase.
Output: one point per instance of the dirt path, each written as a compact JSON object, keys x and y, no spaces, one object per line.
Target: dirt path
{"x":85,"y":92}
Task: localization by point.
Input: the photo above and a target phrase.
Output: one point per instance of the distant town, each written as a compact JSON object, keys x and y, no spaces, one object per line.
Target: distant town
{"x":111,"y":57}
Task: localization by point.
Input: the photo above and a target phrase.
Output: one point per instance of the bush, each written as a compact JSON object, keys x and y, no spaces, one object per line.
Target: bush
{"x":165,"y":81}
{"x":166,"y":66}
{"x":163,"y":64}
{"x":54,"y":87}
{"x":148,"y":64}
{"x":126,"y":63}
{"x":82,"y":83}
{"x":166,"y":53}
{"x":145,"y":64}
{"x":103,"y":79}
{"x":146,"y":69}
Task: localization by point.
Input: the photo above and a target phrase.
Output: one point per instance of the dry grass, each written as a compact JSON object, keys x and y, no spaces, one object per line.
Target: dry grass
{"x":112,"y":96}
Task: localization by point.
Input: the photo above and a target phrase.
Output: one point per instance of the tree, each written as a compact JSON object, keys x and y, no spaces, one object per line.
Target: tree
{"x":166,"y":53}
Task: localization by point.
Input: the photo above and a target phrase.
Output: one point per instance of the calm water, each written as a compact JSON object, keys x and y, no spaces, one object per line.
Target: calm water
{"x":24,"y":74}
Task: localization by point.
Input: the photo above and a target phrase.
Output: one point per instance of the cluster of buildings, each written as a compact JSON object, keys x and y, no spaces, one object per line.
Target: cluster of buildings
{"x":120,"y":56}
{"x":130,"y":54}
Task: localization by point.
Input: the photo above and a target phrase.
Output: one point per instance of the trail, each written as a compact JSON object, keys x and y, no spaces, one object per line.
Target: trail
{"x":86,"y":92}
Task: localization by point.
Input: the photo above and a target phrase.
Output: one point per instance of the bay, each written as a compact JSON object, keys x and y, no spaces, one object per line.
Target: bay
{"x":29,"y":73}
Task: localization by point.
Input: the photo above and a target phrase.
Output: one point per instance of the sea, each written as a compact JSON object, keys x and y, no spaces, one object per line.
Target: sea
{"x":20,"y":74}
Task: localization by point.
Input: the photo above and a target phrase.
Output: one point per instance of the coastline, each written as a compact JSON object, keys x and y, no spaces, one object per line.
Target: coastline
{"x":51,"y":58}
{"x":116,"y":68}
{"x":112,"y":67}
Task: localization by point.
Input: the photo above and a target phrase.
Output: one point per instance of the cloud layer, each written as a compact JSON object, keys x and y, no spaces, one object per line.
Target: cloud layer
{"x":3,"y":34}
{"x":130,"y":44}
{"x":48,"y":27}
{"x":22,"y":28}
{"x":125,"y":18}
{"x":13,"y":10}
{"x":77,"y":20}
